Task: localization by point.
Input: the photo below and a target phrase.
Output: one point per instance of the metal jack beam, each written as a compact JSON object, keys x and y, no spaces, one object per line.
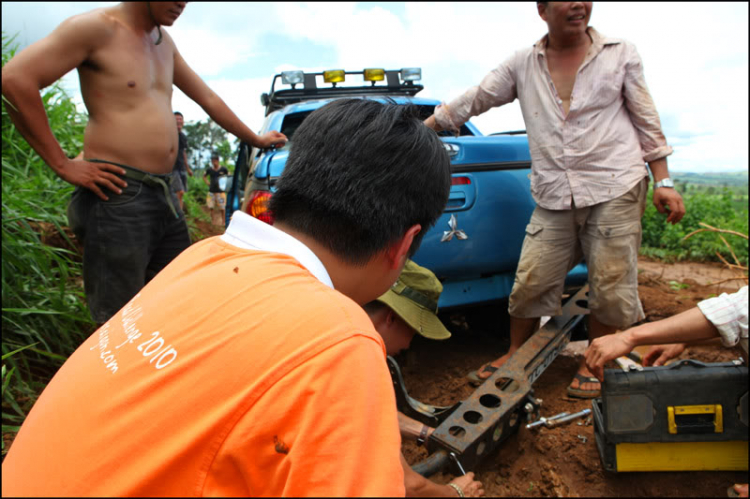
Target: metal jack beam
{"x":474,"y":427}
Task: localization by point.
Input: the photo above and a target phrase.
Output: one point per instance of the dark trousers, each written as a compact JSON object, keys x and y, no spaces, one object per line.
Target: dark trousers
{"x":127,"y":240}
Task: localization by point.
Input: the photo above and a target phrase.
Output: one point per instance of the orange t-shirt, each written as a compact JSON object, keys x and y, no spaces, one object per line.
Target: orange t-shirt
{"x":234,"y":372}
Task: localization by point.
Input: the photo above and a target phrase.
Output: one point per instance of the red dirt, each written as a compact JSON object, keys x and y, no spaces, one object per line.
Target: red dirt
{"x":555,"y":462}
{"x":209,"y":229}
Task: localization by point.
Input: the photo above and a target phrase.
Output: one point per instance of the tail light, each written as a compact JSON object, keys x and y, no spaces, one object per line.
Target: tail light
{"x":460,"y":181}
{"x":258,"y":206}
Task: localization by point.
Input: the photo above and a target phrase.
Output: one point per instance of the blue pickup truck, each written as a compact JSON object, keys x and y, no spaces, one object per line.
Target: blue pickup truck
{"x":475,"y":245}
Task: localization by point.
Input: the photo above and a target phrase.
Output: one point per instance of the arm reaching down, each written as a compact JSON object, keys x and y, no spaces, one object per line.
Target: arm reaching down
{"x":688,"y":326}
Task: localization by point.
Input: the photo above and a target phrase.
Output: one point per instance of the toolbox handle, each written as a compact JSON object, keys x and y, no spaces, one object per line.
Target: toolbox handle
{"x":687,"y":362}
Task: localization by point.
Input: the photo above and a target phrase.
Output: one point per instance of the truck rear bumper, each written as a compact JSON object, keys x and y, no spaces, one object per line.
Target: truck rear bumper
{"x":475,"y":291}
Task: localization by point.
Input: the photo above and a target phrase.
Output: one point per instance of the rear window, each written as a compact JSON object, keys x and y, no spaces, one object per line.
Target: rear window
{"x":292,"y":122}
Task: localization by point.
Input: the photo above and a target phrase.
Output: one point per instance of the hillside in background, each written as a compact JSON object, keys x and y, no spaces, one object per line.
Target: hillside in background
{"x":736,"y":181}
{"x":714,"y":176}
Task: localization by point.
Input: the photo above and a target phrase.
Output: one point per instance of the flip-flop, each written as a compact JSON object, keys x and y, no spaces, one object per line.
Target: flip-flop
{"x":474,"y":378}
{"x":731,"y":492}
{"x":584,"y":394}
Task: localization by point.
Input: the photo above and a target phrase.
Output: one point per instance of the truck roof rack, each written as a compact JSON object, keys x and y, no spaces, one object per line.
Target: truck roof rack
{"x":395,"y":86}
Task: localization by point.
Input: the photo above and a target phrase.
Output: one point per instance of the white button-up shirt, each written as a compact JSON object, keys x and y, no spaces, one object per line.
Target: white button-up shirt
{"x":728,"y":313}
{"x":596,"y":152}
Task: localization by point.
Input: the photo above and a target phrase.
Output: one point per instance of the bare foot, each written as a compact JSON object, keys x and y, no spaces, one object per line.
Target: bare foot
{"x":741,"y":489}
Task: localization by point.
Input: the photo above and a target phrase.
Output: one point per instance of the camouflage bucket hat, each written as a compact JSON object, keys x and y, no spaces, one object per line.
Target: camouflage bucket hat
{"x":414,"y":297}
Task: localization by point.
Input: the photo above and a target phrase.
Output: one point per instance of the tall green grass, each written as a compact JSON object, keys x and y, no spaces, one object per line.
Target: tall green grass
{"x":44,"y":316}
{"x":193,"y":200}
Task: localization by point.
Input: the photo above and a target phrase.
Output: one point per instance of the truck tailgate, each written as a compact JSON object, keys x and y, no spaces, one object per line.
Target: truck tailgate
{"x":476,"y":242}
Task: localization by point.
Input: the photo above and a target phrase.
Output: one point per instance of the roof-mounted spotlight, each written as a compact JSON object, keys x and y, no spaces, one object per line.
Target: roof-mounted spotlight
{"x":374,"y":74}
{"x":292,"y":77}
{"x":334,"y":76}
{"x":410,"y":75}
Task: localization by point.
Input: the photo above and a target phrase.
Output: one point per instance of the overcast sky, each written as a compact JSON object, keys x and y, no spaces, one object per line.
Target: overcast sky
{"x":695,"y":55}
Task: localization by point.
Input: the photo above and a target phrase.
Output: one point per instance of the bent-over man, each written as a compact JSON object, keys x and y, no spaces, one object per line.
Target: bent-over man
{"x":410,"y":308}
{"x":248,"y":367}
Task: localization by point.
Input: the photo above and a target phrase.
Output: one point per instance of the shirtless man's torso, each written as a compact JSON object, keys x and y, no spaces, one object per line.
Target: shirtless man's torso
{"x":126,"y":83}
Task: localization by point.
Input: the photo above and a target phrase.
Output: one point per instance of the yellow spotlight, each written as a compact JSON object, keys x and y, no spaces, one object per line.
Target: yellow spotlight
{"x":374,"y":74}
{"x":333,"y":76}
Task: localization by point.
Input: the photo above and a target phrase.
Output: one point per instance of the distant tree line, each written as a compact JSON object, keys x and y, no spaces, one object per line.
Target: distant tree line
{"x":204,"y":138}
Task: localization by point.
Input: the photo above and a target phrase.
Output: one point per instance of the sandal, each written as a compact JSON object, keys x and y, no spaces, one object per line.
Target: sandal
{"x":732,"y":492}
{"x":474,"y":378}
{"x":584,"y":394}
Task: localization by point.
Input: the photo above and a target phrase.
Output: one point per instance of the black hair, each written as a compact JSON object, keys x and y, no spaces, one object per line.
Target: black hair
{"x":359,"y":174}
{"x":374,"y":307}
{"x":177,"y":112}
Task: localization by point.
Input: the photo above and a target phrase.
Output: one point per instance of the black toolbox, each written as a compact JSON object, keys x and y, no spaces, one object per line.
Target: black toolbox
{"x":685,"y":416}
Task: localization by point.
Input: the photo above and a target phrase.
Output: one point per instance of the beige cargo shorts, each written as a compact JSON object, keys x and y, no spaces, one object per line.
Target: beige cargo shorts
{"x":608,"y":235}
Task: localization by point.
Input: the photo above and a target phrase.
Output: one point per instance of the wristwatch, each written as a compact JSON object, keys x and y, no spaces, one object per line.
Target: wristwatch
{"x":665,"y":182}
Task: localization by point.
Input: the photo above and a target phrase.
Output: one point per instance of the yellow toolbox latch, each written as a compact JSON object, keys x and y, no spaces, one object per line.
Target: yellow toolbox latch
{"x":695,"y":419}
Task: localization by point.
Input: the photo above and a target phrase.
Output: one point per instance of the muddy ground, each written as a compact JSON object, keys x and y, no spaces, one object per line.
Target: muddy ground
{"x":555,"y":462}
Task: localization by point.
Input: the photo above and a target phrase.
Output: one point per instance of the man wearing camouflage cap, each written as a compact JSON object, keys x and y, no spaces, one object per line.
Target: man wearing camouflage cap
{"x":408,"y":308}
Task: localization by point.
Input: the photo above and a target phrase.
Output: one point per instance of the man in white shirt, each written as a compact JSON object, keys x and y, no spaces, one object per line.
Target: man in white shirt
{"x":592,"y":126}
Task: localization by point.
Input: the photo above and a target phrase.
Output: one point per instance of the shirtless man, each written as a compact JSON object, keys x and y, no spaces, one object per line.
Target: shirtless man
{"x":592,"y":127}
{"x":123,"y":208}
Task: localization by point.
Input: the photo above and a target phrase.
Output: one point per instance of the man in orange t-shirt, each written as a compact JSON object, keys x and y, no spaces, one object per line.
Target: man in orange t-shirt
{"x":276,"y":385}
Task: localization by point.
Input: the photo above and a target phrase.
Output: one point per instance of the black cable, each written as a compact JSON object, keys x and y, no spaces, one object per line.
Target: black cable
{"x":158,"y":27}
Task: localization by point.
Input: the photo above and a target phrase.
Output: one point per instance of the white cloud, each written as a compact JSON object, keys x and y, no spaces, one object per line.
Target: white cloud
{"x":242,"y":96}
{"x":696,"y":64}
{"x":695,"y":55}
{"x":33,"y":21}
{"x":206,"y":51}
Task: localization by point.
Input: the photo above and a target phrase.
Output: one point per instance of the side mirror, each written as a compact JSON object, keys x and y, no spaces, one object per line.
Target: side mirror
{"x":264,"y":99}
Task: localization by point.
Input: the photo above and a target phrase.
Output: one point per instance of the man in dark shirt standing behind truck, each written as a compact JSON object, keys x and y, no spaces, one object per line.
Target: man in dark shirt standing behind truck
{"x":217,"y":197}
